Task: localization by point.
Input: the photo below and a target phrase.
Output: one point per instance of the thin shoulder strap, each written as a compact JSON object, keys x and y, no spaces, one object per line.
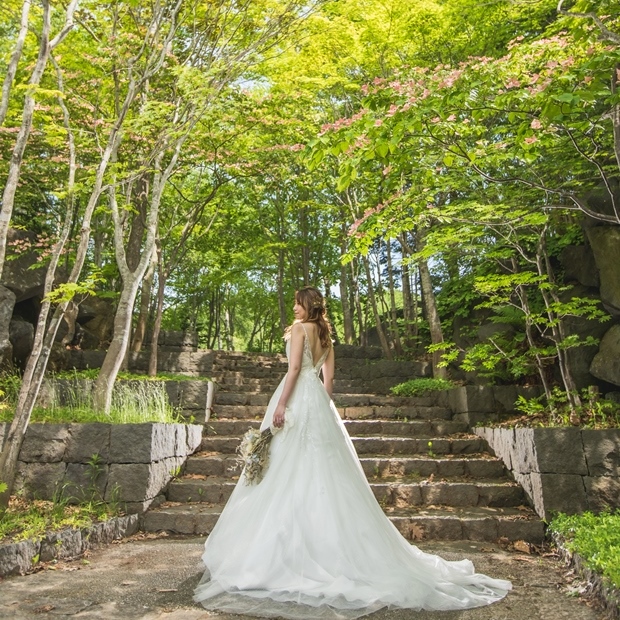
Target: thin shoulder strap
{"x":305,"y":332}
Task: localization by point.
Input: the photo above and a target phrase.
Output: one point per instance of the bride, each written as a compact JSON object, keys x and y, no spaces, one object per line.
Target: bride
{"x":310,"y":540}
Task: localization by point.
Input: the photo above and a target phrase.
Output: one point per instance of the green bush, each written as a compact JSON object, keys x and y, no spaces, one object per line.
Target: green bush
{"x":596,"y":538}
{"x":417,"y":387}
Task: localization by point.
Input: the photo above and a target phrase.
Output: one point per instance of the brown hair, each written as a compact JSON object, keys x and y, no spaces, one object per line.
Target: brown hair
{"x":313,"y":302}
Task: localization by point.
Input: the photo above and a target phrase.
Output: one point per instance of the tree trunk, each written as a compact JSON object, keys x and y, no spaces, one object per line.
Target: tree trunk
{"x":145,"y":303}
{"x":434,"y":322}
{"x":280,"y":285}
{"x":347,"y":318}
{"x":14,"y":61}
{"x":159,"y":313}
{"x":357,"y":302}
{"x":373,"y":302}
{"x":393,"y":312}
{"x":12,"y":181}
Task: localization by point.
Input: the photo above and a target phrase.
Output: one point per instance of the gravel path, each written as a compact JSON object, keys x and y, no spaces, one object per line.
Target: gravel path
{"x":153,"y":579}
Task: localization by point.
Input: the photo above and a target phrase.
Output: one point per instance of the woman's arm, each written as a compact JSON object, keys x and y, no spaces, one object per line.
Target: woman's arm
{"x":294,"y":367}
{"x":328,"y":372}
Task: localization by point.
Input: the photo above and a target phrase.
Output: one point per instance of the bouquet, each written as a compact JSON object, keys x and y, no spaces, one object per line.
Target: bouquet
{"x":254,"y":454}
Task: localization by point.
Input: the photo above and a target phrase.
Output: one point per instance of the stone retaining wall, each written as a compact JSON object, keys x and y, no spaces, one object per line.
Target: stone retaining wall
{"x":561,"y":469}
{"x":135,"y":461}
{"x":21,"y":557}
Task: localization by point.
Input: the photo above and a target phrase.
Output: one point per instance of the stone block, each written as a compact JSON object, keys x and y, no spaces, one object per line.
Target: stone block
{"x":86,"y":440}
{"x":558,"y":450}
{"x":141,"y":443}
{"x":201,"y":362}
{"x":17,"y":558}
{"x":180,"y":440}
{"x":193,"y":395}
{"x":39,"y":480}
{"x":524,"y":459}
{"x":60,"y":545}
{"x":82,"y":482}
{"x":603,"y":492}
{"x":137,"y":482}
{"x":558,"y":493}
{"x":194,"y":437}
{"x":44,"y":443}
{"x":128,"y":482}
{"x":602,"y":451}
{"x":579,"y":265}
{"x":173,"y":391}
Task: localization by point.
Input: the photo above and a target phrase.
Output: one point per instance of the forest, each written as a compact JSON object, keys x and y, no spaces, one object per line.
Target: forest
{"x":444,"y":170}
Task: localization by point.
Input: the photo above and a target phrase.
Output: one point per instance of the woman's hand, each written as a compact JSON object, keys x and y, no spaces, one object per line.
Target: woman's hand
{"x":278,"y":415}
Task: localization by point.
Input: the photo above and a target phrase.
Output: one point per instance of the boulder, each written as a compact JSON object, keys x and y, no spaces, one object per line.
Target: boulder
{"x":605,"y":242}
{"x":21,"y":335}
{"x":18,"y":274}
{"x":606,"y":363}
{"x":7,"y":302}
{"x":579,"y":265}
{"x":580,"y":358}
{"x":96,"y":315}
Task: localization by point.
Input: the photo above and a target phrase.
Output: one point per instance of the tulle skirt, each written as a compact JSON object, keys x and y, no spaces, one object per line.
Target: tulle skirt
{"x":311,"y":541}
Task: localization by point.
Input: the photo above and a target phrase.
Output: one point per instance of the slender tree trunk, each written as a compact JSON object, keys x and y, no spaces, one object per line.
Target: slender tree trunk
{"x":557,"y":326}
{"x":407,"y":299}
{"x":12,"y":181}
{"x":358,"y":303}
{"x":373,"y":302}
{"x":393,"y":312}
{"x":14,"y":61}
{"x":159,"y":313}
{"x":280,"y":286}
{"x":145,"y":303}
{"x":347,"y":318}
{"x":434,"y":322}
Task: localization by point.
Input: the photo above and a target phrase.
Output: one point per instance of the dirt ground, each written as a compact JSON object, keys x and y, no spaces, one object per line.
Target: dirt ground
{"x":153,"y":579}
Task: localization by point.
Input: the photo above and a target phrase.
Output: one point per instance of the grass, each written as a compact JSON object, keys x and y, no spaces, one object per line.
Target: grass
{"x":596,"y":538}
{"x":30,"y":520}
{"x":418,"y":387}
{"x":133,"y":402}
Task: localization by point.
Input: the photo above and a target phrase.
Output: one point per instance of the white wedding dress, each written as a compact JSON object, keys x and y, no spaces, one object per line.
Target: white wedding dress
{"x":311,"y":541}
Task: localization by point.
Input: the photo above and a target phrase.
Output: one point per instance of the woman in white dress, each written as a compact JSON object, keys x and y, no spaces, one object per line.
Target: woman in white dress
{"x":310,"y":540}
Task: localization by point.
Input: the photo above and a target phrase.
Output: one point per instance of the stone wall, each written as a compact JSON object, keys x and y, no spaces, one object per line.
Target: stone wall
{"x":136,"y":461}
{"x":561,"y":469}
{"x":198,"y":363}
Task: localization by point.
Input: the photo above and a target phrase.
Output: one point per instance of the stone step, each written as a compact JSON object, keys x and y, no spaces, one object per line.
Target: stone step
{"x":476,"y":466}
{"x":375,"y":467}
{"x":400,"y":493}
{"x":423,"y":523}
{"x":351,"y":413}
{"x":356,"y":428}
{"x":381,"y":445}
{"x":342,"y":401}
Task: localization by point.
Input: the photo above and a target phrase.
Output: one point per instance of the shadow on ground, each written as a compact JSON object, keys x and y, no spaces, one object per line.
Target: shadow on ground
{"x":153,"y":579}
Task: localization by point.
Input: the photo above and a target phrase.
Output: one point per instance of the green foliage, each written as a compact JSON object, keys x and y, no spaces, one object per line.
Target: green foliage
{"x":123,"y":375}
{"x":594,"y":412}
{"x":596,"y":538}
{"x":419,"y":387}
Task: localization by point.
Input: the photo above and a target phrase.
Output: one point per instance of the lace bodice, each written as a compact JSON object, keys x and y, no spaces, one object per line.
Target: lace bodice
{"x":307,"y":360}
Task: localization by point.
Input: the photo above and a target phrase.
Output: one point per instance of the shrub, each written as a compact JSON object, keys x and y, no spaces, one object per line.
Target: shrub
{"x":417,"y":387}
{"x":596,"y":538}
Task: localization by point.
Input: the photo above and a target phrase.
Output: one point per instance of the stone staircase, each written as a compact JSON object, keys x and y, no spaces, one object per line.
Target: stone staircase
{"x":433,"y":478}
